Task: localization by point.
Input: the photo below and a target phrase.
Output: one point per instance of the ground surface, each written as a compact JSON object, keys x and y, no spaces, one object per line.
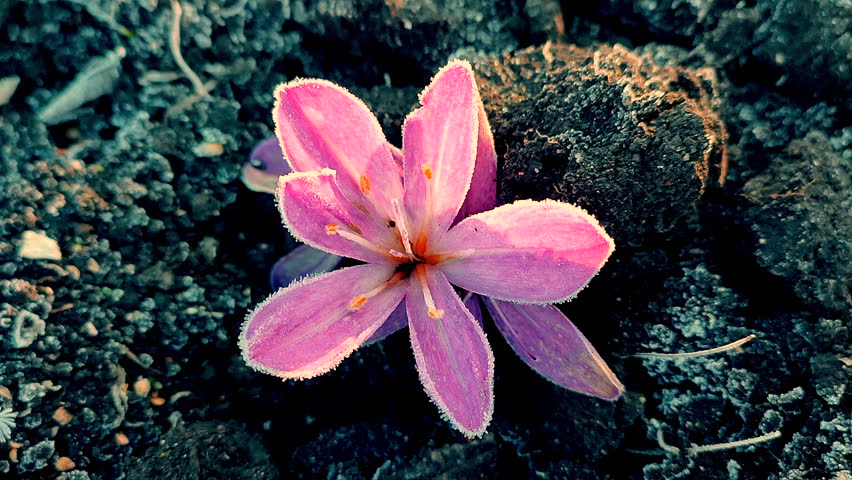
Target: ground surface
{"x":712,"y":139}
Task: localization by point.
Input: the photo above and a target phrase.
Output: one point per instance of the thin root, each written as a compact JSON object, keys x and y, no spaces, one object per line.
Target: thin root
{"x":728,"y":445}
{"x":700,"y":353}
{"x":174,"y":46}
{"x":699,"y":449}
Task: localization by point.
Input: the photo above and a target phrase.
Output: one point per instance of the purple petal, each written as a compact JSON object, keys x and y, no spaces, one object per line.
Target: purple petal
{"x":482,"y":195}
{"x":547,"y":341}
{"x":322,"y":125}
{"x":395,"y":322}
{"x":439,"y":145}
{"x":452,"y":354}
{"x":471,"y":302}
{"x":266,"y":163}
{"x":317,"y":213}
{"x":306,"y":329}
{"x":527,"y":251}
{"x":302,"y":261}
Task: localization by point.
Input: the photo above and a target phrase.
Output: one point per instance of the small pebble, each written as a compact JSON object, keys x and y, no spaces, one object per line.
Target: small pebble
{"x":62,"y":416}
{"x":90,"y":329}
{"x":8,"y":85}
{"x":142,"y":387}
{"x":121,"y":439}
{"x":209,"y":149}
{"x":38,"y":246}
{"x":63,"y":464}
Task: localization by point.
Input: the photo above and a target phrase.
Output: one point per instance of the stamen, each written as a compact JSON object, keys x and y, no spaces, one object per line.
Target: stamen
{"x":437,"y":258}
{"x":354,"y":228}
{"x":359,"y":301}
{"x":365,"y":184}
{"x":427,"y":171}
{"x":334,"y":229}
{"x":400,"y":225}
{"x":433,"y":311}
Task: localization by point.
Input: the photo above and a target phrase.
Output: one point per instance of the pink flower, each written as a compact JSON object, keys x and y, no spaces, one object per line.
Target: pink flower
{"x":352,"y":194}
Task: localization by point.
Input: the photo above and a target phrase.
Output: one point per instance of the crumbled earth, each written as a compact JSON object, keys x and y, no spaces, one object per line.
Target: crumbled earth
{"x":711,"y":138}
{"x":205,"y":450}
{"x":801,"y":47}
{"x":628,"y":140}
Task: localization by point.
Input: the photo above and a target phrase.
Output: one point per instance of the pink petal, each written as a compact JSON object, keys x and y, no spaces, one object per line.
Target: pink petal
{"x":547,"y":341}
{"x":302,"y":261}
{"x":395,"y":322}
{"x":527,"y":251}
{"x":397,"y":155}
{"x":306,"y":329}
{"x":452,"y":355}
{"x":317,"y":213}
{"x":482,"y":195}
{"x":439,"y":145}
{"x":322,"y":125}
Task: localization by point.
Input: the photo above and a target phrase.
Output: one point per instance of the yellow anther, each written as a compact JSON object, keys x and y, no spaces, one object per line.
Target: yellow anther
{"x":357,"y":302}
{"x":427,"y":171}
{"x":364,"y":183}
{"x":436,"y":313}
{"x":331,"y":229}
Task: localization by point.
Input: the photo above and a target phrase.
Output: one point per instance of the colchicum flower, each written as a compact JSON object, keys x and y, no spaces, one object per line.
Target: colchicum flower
{"x":422,"y":220}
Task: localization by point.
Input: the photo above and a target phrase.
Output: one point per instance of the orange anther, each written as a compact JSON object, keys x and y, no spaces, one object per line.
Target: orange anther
{"x":332,"y":228}
{"x":427,"y":171}
{"x":436,"y":313}
{"x":357,"y":302}
{"x":365,"y":184}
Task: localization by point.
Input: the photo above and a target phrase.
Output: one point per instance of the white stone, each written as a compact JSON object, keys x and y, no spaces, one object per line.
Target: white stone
{"x":39,"y":246}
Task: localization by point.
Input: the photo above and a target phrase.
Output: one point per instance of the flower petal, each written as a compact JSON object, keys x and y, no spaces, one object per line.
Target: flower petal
{"x":395,"y":322}
{"x":397,"y":155}
{"x":302,"y":261}
{"x":482,"y":194}
{"x":471,"y":302}
{"x":399,"y":320}
{"x":547,"y":341}
{"x":306,"y":329}
{"x":439,"y":146}
{"x":266,"y":163}
{"x":322,"y":125}
{"x":527,"y":251}
{"x":452,"y":354}
{"x":317,"y":213}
